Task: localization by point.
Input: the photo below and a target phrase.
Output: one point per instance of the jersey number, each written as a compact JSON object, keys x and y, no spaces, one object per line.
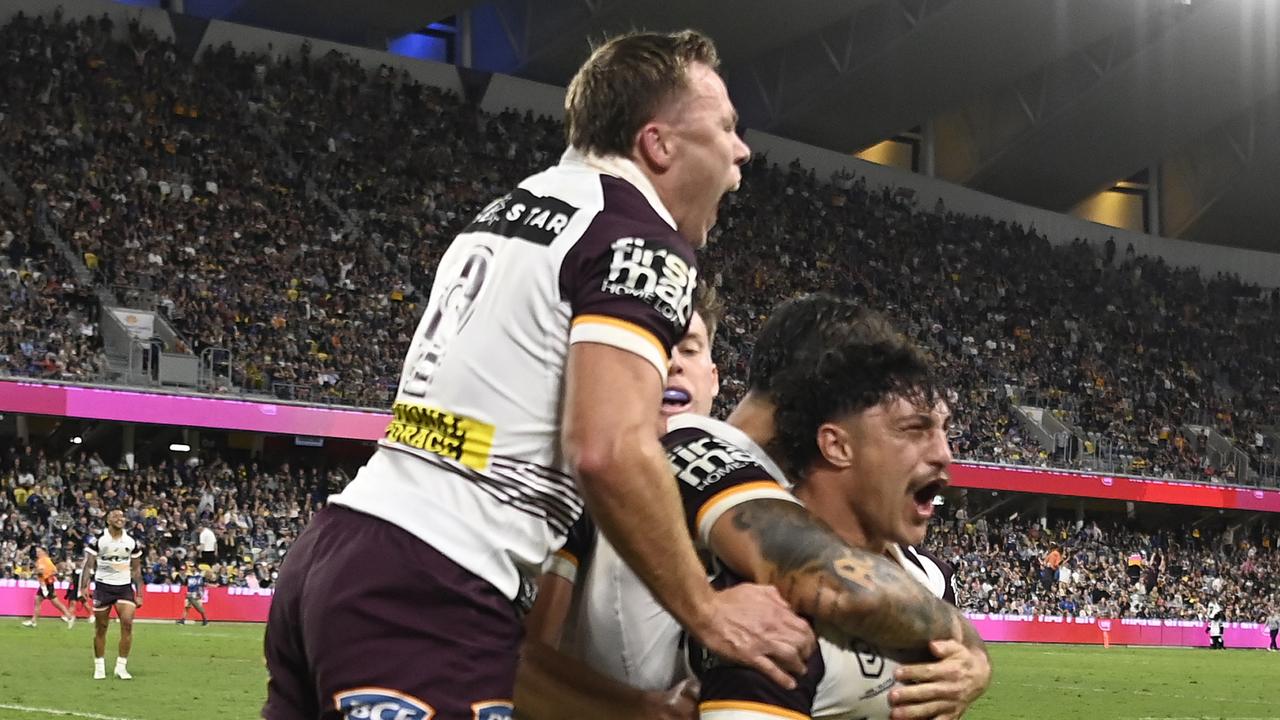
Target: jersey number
{"x":447,"y":320}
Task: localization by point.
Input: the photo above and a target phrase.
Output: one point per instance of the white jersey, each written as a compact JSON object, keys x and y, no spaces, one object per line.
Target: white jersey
{"x":471,"y":462}
{"x":114,"y":557}
{"x":616,"y":626}
{"x":840,"y":683}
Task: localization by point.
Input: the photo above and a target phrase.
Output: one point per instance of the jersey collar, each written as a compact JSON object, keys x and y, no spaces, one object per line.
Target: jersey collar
{"x":625,"y":169}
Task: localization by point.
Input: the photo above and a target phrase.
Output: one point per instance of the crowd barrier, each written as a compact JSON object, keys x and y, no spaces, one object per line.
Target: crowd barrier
{"x":160,"y":602}
{"x":1104,"y":631}
{"x":242,"y":604}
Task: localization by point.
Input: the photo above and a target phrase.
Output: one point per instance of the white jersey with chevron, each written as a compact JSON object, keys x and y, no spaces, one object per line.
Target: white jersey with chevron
{"x":471,"y":462}
{"x":114,"y":557}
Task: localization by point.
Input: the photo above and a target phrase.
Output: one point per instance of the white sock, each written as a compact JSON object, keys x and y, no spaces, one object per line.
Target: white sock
{"x":121,"y":662}
{"x":99,"y":664}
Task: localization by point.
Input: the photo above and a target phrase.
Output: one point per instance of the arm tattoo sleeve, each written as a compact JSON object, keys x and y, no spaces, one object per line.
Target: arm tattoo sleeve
{"x":849,"y":593}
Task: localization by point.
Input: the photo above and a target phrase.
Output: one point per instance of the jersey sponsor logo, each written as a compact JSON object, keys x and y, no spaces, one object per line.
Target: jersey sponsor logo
{"x":380,"y":704}
{"x":493,"y":710}
{"x":870,"y":662}
{"x":442,"y":433}
{"x":707,"y":460}
{"x":654,"y":275}
{"x":521,"y":214}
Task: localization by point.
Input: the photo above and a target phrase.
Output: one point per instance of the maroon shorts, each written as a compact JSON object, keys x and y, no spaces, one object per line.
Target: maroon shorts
{"x":104,"y":596}
{"x":368,"y":621}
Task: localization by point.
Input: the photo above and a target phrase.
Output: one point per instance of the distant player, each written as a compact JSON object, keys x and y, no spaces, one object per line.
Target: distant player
{"x":1273,"y":627}
{"x":48,"y":575}
{"x":75,"y":601}
{"x":115,"y":565}
{"x":193,"y":578}
{"x":1215,"y":630}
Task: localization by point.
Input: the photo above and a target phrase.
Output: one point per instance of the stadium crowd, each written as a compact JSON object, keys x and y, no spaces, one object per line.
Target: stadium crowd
{"x":239,"y":519}
{"x":290,"y":211}
{"x":254,"y":514}
{"x":1087,"y":569}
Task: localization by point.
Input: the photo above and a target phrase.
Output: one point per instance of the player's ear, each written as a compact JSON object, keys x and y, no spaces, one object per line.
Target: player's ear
{"x":654,"y":146}
{"x":835,"y":444}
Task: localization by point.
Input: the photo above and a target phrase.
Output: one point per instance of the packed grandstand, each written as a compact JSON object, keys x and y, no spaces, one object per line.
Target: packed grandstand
{"x":135,"y":174}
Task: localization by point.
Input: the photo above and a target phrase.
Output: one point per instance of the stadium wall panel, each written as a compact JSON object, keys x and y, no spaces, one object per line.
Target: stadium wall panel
{"x":257,"y":40}
{"x":506,"y":92}
{"x":1251,"y":265}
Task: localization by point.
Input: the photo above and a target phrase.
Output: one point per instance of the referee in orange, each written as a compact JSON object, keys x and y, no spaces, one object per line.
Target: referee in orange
{"x":48,"y":573}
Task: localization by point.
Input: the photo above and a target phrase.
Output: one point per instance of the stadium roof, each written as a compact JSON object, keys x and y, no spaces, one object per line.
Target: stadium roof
{"x":1045,"y":102}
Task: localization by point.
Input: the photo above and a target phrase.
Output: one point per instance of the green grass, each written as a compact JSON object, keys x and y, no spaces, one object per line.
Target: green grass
{"x":216,"y":672}
{"x":179,"y":672}
{"x":1047,"y":682}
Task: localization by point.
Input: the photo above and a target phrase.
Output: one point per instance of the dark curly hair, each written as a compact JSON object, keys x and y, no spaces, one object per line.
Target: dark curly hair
{"x":820,"y":358}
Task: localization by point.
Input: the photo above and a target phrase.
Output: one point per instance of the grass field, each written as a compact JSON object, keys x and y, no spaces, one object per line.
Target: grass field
{"x":216,"y":673}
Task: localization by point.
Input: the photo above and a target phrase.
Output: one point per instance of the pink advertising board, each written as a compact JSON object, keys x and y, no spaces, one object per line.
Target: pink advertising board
{"x":244,"y":605}
{"x":160,"y":602}
{"x":189,"y":411}
{"x":126,"y":405}
{"x":1118,"y":487}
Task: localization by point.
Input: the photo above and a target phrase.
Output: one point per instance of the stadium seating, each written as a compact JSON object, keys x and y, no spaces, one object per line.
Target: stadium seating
{"x":292,"y":212}
{"x":1183,"y":571}
{"x":255,"y":514}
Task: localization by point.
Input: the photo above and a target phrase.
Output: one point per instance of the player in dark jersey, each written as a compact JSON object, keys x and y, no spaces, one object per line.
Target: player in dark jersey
{"x":735,"y":506}
{"x":194,"y":580}
{"x":75,"y":601}
{"x":864,"y":438}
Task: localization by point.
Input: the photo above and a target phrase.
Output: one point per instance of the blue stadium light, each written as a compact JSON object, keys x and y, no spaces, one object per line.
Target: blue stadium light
{"x":443,"y":28}
{"x":423,"y":47}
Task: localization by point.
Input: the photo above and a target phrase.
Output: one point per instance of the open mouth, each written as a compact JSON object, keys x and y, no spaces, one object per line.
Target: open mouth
{"x":924,"y":495}
{"x":674,"y":398}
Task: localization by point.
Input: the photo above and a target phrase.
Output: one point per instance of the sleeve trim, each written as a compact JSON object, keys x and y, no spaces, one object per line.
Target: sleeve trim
{"x":733,"y":709}
{"x":727,"y":499}
{"x":622,"y":335}
{"x":563,"y":564}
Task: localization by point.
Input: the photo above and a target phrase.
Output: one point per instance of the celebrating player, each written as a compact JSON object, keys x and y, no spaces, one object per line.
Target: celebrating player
{"x":870,"y":471}
{"x":114,"y":561}
{"x":620,"y":630}
{"x":48,"y":575}
{"x":530,"y":391}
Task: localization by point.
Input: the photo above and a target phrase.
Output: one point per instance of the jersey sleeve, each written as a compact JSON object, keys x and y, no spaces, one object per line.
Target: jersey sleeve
{"x":91,"y":545}
{"x":137,"y":550}
{"x":629,"y":283}
{"x":716,"y":476}
{"x":733,"y":692}
{"x":948,"y":574}
{"x":576,"y":552}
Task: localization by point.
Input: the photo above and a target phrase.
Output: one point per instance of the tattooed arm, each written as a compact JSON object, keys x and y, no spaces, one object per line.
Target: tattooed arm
{"x":847,"y":592}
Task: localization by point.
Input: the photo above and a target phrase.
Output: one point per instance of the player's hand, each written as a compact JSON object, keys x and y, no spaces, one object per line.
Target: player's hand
{"x":752,"y":625}
{"x":678,"y":703}
{"x":944,"y":689}
{"x":137,"y":600}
